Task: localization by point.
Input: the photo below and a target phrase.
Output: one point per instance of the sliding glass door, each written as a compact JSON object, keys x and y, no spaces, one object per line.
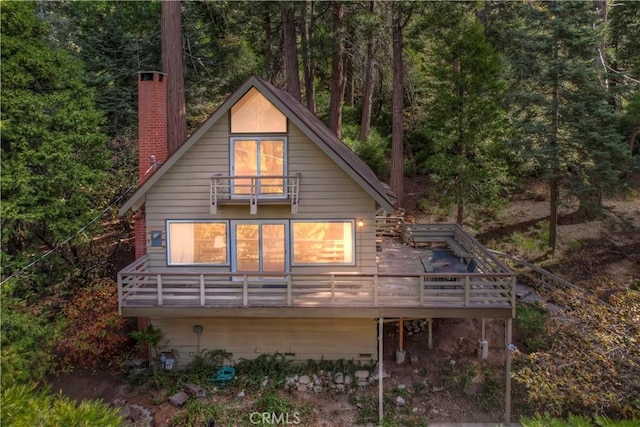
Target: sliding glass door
{"x":260,"y":247}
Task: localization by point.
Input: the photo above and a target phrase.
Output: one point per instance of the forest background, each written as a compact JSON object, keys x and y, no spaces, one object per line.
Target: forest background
{"x":482,"y":97}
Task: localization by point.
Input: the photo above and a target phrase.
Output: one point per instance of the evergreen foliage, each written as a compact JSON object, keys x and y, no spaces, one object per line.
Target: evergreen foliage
{"x":564,"y":125}
{"x":25,"y":406}
{"x":53,"y":152}
{"x":69,"y":77}
{"x":465,"y":124}
{"x":27,"y":342}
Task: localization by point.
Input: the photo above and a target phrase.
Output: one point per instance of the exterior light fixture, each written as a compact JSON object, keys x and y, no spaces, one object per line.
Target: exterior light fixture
{"x":360,"y":223}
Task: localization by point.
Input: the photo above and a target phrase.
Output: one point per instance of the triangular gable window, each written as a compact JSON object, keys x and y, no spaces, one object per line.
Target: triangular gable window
{"x":253,"y":113}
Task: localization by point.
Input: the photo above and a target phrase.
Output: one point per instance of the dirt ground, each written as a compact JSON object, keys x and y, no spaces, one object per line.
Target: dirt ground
{"x":455,"y":344}
{"x":606,"y":250}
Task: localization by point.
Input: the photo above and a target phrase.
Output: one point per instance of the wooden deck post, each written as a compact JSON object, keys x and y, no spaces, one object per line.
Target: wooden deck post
{"x":120,"y":294}
{"x":401,"y":334}
{"x":380,"y":370}
{"x":333,"y":289}
{"x":507,"y":339}
{"x":159,"y":279}
{"x":467,"y":285}
{"x":202,"y":299}
{"x":430,"y":335}
{"x":245,"y":291}
{"x":375,"y":290}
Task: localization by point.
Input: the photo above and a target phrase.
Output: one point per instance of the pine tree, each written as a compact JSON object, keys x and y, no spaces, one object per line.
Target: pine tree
{"x":564,"y":124}
{"x":53,"y":151}
{"x":465,"y":120}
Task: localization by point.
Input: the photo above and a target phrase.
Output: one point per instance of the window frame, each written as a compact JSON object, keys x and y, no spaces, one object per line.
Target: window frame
{"x":323,"y":264}
{"x":227,"y":263}
{"x":258,"y":139}
{"x":260,"y":222}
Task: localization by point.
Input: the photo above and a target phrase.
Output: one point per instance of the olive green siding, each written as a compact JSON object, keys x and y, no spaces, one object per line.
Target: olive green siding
{"x":298,"y":339}
{"x":326,"y":192}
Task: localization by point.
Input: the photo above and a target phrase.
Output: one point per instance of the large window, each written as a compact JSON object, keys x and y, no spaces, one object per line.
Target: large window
{"x":260,"y":246}
{"x":201,"y":242}
{"x":258,"y":157}
{"x":329,"y":242}
{"x":253,"y":113}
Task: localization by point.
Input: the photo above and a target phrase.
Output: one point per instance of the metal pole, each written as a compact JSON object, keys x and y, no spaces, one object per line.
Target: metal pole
{"x":380,"y":370}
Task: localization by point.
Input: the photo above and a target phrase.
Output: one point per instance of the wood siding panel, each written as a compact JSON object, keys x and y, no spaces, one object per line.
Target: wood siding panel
{"x":247,"y":338}
{"x":326,"y":192}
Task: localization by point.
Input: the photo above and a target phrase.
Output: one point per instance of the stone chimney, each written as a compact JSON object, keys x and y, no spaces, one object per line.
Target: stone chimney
{"x":152,"y":139}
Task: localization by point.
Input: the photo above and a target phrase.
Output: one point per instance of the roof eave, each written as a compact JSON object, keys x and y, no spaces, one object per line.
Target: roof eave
{"x":137,"y":199}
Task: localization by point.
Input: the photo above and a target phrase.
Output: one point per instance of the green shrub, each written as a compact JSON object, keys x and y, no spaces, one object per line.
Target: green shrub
{"x":91,"y":333}
{"x":530,"y":321}
{"x":373,"y":152}
{"x":491,"y":393}
{"x":270,"y":401}
{"x":275,"y":366}
{"x":27,"y":341}
{"x":575,"y":421}
{"x":148,"y":336}
{"x":25,"y":406}
{"x":197,"y":412}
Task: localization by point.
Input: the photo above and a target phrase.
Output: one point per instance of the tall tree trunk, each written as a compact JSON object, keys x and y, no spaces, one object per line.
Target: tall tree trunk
{"x":290,"y":50}
{"x":307,"y":63}
{"x":461,"y":146}
{"x":268,"y":35}
{"x":460,"y":214}
{"x":397,"y":136}
{"x":173,"y":66}
{"x":337,"y":78}
{"x":367,"y":91}
{"x":349,"y":88}
{"x":554,"y":184}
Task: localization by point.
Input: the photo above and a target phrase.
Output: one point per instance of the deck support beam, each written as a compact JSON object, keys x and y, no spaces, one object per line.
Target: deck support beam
{"x":380,"y":370}
{"x":430,"y":334}
{"x":507,"y":350}
{"x":483,"y":346}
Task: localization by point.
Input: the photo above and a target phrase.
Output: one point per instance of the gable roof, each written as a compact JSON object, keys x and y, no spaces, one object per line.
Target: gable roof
{"x":306,"y":121}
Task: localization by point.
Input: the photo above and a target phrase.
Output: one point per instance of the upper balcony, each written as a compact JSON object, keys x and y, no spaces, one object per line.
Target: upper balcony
{"x":253,"y":190}
{"x":443,"y":272}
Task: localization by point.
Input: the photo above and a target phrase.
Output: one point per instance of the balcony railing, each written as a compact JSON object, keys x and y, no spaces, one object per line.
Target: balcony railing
{"x":251,"y":190}
{"x":138,"y":287}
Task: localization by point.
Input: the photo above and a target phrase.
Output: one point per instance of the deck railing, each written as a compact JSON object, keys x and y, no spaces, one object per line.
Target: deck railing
{"x":139,"y":287}
{"x":252,"y":189}
{"x":455,"y":237}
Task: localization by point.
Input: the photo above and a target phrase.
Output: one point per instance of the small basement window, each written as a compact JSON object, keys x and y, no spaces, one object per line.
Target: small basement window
{"x":197,"y":242}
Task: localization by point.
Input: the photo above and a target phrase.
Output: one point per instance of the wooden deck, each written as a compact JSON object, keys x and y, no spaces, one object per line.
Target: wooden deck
{"x":403,"y":281}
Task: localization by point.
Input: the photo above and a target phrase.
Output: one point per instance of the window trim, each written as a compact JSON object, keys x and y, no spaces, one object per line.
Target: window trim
{"x":198,"y":264}
{"x":258,"y":139}
{"x":324,"y":264}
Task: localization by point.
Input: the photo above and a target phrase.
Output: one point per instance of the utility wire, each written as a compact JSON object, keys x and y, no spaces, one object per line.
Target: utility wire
{"x":67,"y":240}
